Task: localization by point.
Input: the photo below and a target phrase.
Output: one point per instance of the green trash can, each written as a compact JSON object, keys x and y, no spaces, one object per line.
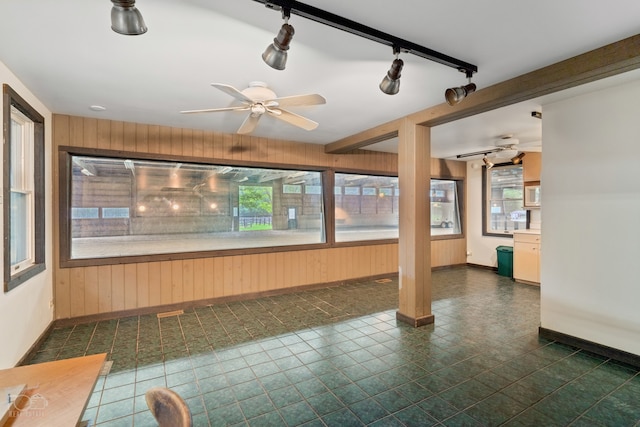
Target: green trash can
{"x":505,"y":260}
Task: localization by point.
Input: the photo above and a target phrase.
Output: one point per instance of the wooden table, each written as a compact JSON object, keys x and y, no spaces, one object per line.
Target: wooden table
{"x":56,"y":393}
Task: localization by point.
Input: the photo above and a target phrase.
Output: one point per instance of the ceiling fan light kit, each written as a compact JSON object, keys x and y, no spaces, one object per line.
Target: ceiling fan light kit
{"x":126,"y":19}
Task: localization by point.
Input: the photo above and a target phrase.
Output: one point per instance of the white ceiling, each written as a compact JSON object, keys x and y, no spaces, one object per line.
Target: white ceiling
{"x":65,"y":52}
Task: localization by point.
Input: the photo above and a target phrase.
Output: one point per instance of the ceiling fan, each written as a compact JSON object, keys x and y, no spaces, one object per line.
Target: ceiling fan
{"x":258,"y":99}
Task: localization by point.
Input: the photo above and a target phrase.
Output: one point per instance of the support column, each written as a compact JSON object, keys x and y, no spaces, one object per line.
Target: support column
{"x":414,"y":175}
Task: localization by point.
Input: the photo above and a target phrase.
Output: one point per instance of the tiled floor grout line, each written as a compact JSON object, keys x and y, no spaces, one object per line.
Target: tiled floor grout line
{"x":317,"y":344}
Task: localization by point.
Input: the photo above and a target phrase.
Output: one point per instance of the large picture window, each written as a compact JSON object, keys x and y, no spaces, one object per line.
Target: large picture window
{"x":503,"y":210}
{"x":122,"y":207}
{"x":366,"y":207}
{"x":23,"y":190}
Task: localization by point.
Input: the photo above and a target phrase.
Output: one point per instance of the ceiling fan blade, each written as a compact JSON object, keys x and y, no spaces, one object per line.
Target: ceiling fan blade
{"x":299,"y":100}
{"x":249,"y":124}
{"x":230,"y":90}
{"x":213,"y":110}
{"x":293,"y":119}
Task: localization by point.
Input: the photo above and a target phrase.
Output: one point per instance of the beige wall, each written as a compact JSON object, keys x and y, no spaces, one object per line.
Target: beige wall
{"x":84,"y":291}
{"x":25,"y":312}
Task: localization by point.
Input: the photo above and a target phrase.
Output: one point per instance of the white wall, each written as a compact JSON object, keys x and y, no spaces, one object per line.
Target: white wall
{"x":482,"y":248}
{"x":25,"y":312}
{"x":590,"y":275}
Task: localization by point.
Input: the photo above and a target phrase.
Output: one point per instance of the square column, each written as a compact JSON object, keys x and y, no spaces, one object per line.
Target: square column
{"x":414,"y":176}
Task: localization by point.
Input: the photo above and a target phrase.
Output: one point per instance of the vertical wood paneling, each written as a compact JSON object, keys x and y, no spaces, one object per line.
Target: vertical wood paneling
{"x":228,"y":276}
{"x":142,"y":138}
{"x":153,"y":133}
{"x":198,"y":144}
{"x":77,"y":291}
{"x":198,"y":284}
{"x":130,"y":283}
{"x":165,"y":282}
{"x":117,"y":287}
{"x":209,"y":278}
{"x":103,"y":136}
{"x":177,"y":291}
{"x":105,"y":294}
{"x":91,"y":290}
{"x":188,"y":291}
{"x":142,"y":285}
{"x":62,"y":301}
{"x":155,"y":284}
{"x":218,"y":277}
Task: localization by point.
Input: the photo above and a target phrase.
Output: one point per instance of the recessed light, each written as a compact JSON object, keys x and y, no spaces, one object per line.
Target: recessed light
{"x":97,"y":108}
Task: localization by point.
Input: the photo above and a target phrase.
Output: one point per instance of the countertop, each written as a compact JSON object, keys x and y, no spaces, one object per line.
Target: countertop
{"x":529,"y":231}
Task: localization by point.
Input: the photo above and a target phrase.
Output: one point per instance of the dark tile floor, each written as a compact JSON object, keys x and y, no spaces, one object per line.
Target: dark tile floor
{"x":337,"y":357}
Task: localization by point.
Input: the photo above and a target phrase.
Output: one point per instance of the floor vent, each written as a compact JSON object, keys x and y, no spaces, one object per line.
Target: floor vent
{"x":383,"y":280}
{"x":170,"y":313}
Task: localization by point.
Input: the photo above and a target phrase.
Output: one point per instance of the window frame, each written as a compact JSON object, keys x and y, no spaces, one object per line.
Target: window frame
{"x":65,"y":155}
{"x":485,"y":200}
{"x":461,"y":207}
{"x":332,"y":220}
{"x":11,"y":99}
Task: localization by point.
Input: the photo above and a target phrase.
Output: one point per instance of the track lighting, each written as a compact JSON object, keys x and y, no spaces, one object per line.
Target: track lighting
{"x":488,"y":163}
{"x":126,"y":18}
{"x":275,"y":55}
{"x":517,"y":159}
{"x":390,"y":84}
{"x":454,"y":95}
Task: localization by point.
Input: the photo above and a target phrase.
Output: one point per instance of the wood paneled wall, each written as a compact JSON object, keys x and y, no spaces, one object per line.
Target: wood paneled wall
{"x":84,"y":291}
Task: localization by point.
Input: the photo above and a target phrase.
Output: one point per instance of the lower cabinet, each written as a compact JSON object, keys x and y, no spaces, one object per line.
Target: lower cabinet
{"x":526,"y":257}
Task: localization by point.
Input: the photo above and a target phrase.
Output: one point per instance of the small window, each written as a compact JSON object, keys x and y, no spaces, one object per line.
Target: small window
{"x":292,"y":189}
{"x":313,"y":189}
{"x":503,"y":210}
{"x":23,"y":190}
{"x":85,"y":213}
{"x":445,"y":207}
{"x":115,"y":212}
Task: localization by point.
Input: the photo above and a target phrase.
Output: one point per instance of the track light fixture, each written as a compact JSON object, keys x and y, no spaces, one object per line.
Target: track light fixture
{"x":126,"y":18}
{"x":488,"y":163}
{"x":518,"y":158}
{"x":454,"y":95}
{"x":390,"y":84}
{"x":275,"y":55}
{"x":281,"y":43}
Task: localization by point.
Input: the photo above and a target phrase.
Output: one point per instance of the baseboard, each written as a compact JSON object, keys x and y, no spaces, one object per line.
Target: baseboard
{"x":36,"y":345}
{"x":485,"y":267}
{"x":590,"y":346}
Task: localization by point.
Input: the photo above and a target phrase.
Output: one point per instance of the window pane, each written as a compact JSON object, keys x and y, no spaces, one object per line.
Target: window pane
{"x":79,"y":213}
{"x":20,"y":232}
{"x":181,"y":207}
{"x":115,"y":212}
{"x":504,"y":195}
{"x":18,"y":165}
{"x":445,"y":209}
{"x":367,"y":210}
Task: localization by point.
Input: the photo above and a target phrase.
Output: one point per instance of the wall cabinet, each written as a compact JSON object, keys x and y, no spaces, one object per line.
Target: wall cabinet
{"x":526,"y":257}
{"x":531,"y":165}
